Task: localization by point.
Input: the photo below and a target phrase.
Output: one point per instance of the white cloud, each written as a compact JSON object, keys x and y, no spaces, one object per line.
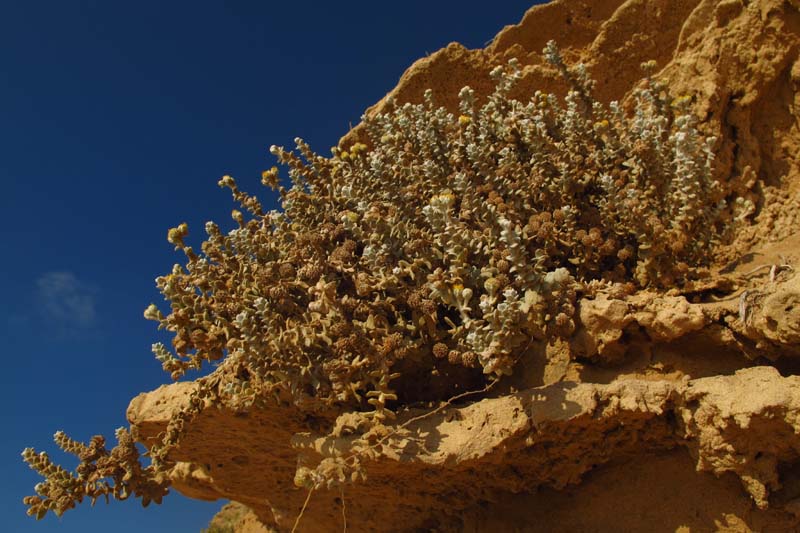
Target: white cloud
{"x":65,"y":301}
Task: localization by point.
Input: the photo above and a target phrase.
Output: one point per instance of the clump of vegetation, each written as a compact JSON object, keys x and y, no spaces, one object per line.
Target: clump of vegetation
{"x":441,"y":239}
{"x":117,"y":473}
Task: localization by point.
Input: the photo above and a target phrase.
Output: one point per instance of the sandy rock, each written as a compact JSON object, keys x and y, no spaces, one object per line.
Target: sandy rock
{"x":670,"y":317}
{"x":746,"y":424}
{"x":604,"y":321}
{"x":237,"y":517}
{"x":778,"y":316}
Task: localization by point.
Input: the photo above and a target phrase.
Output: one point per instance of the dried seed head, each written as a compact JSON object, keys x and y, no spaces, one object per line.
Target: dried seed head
{"x":440,"y":350}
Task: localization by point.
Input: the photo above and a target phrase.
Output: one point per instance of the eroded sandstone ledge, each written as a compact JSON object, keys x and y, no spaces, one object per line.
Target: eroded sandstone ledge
{"x":745,"y":424}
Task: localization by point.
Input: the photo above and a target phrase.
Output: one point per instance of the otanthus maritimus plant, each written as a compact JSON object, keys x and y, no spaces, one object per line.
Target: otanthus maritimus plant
{"x":441,"y":239}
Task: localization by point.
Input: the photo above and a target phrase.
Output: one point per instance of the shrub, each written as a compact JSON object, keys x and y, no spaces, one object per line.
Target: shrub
{"x":459,"y":238}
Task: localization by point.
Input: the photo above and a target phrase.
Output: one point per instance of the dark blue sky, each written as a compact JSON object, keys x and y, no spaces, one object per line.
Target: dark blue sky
{"x":117,"y":119}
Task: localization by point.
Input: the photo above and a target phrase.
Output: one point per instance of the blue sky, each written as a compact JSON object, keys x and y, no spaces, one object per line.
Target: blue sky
{"x":118,"y":118}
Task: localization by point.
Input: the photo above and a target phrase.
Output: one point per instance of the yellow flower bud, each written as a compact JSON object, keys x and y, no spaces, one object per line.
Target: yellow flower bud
{"x":152,"y":313}
{"x":270,"y":178}
{"x":175,"y":235}
{"x":227,"y":181}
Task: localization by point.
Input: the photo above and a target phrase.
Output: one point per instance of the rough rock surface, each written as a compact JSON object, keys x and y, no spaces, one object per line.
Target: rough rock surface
{"x":676,"y":412}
